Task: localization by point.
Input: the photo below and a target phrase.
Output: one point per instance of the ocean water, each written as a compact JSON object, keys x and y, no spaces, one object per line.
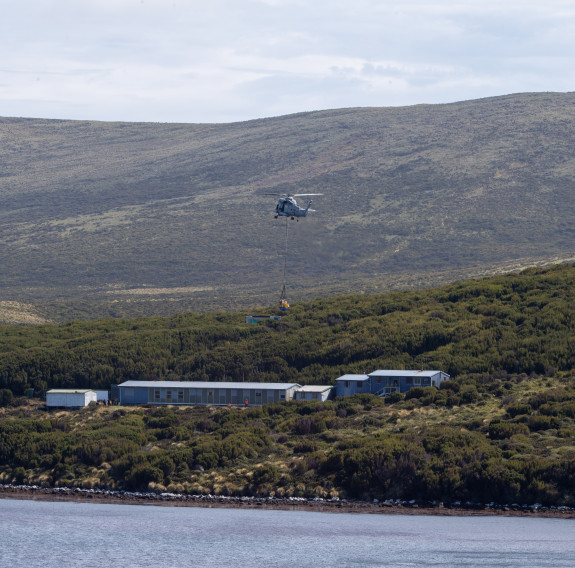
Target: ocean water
{"x":61,"y":534}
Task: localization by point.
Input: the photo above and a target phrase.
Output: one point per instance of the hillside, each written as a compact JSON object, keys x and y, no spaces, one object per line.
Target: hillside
{"x":501,"y":431}
{"x":510,"y":324}
{"x":123,"y":219}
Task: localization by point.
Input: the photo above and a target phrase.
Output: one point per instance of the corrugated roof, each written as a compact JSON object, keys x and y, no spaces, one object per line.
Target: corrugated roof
{"x":353,"y":378}
{"x":207,"y":384}
{"x":404,"y":373}
{"x":69,"y":391}
{"x":315,"y":388}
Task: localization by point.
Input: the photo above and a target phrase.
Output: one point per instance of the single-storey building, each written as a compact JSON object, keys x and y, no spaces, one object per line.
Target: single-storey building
{"x":313,"y":392}
{"x":348,"y":385}
{"x":383,"y":382}
{"x":70,"y":398}
{"x":200,"y":393}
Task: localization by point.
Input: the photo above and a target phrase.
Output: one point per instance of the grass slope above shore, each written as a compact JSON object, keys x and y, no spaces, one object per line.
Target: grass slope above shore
{"x":507,"y":440}
{"x":502,"y":430}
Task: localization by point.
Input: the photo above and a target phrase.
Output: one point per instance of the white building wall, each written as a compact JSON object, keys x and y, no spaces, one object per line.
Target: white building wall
{"x":438,"y":378}
{"x":311,"y":393}
{"x":91,"y":396}
{"x":70,"y":399}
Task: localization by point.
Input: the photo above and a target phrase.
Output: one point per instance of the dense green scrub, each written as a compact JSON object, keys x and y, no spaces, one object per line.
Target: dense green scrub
{"x":502,"y":430}
{"x":519,"y":323}
{"x":481,"y":440}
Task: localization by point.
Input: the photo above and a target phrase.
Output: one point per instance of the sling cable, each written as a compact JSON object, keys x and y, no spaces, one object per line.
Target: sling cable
{"x":284,"y":306}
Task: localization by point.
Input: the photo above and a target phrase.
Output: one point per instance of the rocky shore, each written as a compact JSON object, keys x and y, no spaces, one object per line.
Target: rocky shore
{"x":397,"y":506}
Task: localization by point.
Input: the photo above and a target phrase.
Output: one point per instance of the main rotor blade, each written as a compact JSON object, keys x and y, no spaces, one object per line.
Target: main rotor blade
{"x":306,"y":194}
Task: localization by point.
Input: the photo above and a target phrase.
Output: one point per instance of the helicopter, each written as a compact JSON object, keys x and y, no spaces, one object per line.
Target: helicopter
{"x":287,"y":205}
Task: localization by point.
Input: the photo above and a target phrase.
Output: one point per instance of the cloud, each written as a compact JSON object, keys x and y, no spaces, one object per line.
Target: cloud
{"x":224,"y":60}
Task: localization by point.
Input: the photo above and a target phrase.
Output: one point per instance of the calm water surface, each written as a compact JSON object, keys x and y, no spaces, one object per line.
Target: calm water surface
{"x":56,"y":535}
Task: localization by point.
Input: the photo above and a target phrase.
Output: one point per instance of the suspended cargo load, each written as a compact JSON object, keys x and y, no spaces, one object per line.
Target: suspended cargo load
{"x":284,"y":306}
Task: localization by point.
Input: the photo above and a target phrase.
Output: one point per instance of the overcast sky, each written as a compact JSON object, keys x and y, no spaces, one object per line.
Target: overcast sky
{"x":234,"y":60}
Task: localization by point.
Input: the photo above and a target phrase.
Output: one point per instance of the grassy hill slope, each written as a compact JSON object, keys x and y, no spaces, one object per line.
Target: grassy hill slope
{"x":129,"y":219}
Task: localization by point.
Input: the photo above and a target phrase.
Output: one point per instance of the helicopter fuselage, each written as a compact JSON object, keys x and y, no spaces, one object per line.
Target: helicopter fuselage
{"x":288,"y":207}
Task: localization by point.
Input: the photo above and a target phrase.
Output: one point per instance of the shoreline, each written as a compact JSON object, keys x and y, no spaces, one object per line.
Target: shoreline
{"x":78,"y":495}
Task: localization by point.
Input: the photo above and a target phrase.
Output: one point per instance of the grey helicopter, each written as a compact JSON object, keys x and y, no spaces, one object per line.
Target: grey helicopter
{"x":287,"y":205}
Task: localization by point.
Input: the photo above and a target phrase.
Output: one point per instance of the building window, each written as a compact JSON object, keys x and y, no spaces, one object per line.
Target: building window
{"x":180,"y":396}
{"x":409,"y":381}
{"x":359,"y":385}
{"x":169,"y":395}
{"x":157,"y":395}
{"x":283,"y":396}
{"x":417,"y":381}
{"x":346,"y":384}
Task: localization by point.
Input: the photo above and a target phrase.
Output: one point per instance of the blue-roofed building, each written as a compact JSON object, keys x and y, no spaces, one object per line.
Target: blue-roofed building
{"x":384,"y":382}
{"x":203,"y":393}
{"x":348,"y":385}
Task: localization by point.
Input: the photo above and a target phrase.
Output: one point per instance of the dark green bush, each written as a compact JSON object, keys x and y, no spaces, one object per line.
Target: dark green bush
{"x":517,"y":409}
{"x":417,"y":392}
{"x":393,"y":397}
{"x":536,"y":423}
{"x":6,"y":397}
{"x":502,"y":430}
{"x":141,"y":475}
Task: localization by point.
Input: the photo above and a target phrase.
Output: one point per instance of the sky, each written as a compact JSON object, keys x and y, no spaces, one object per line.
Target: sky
{"x":220,"y":61}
